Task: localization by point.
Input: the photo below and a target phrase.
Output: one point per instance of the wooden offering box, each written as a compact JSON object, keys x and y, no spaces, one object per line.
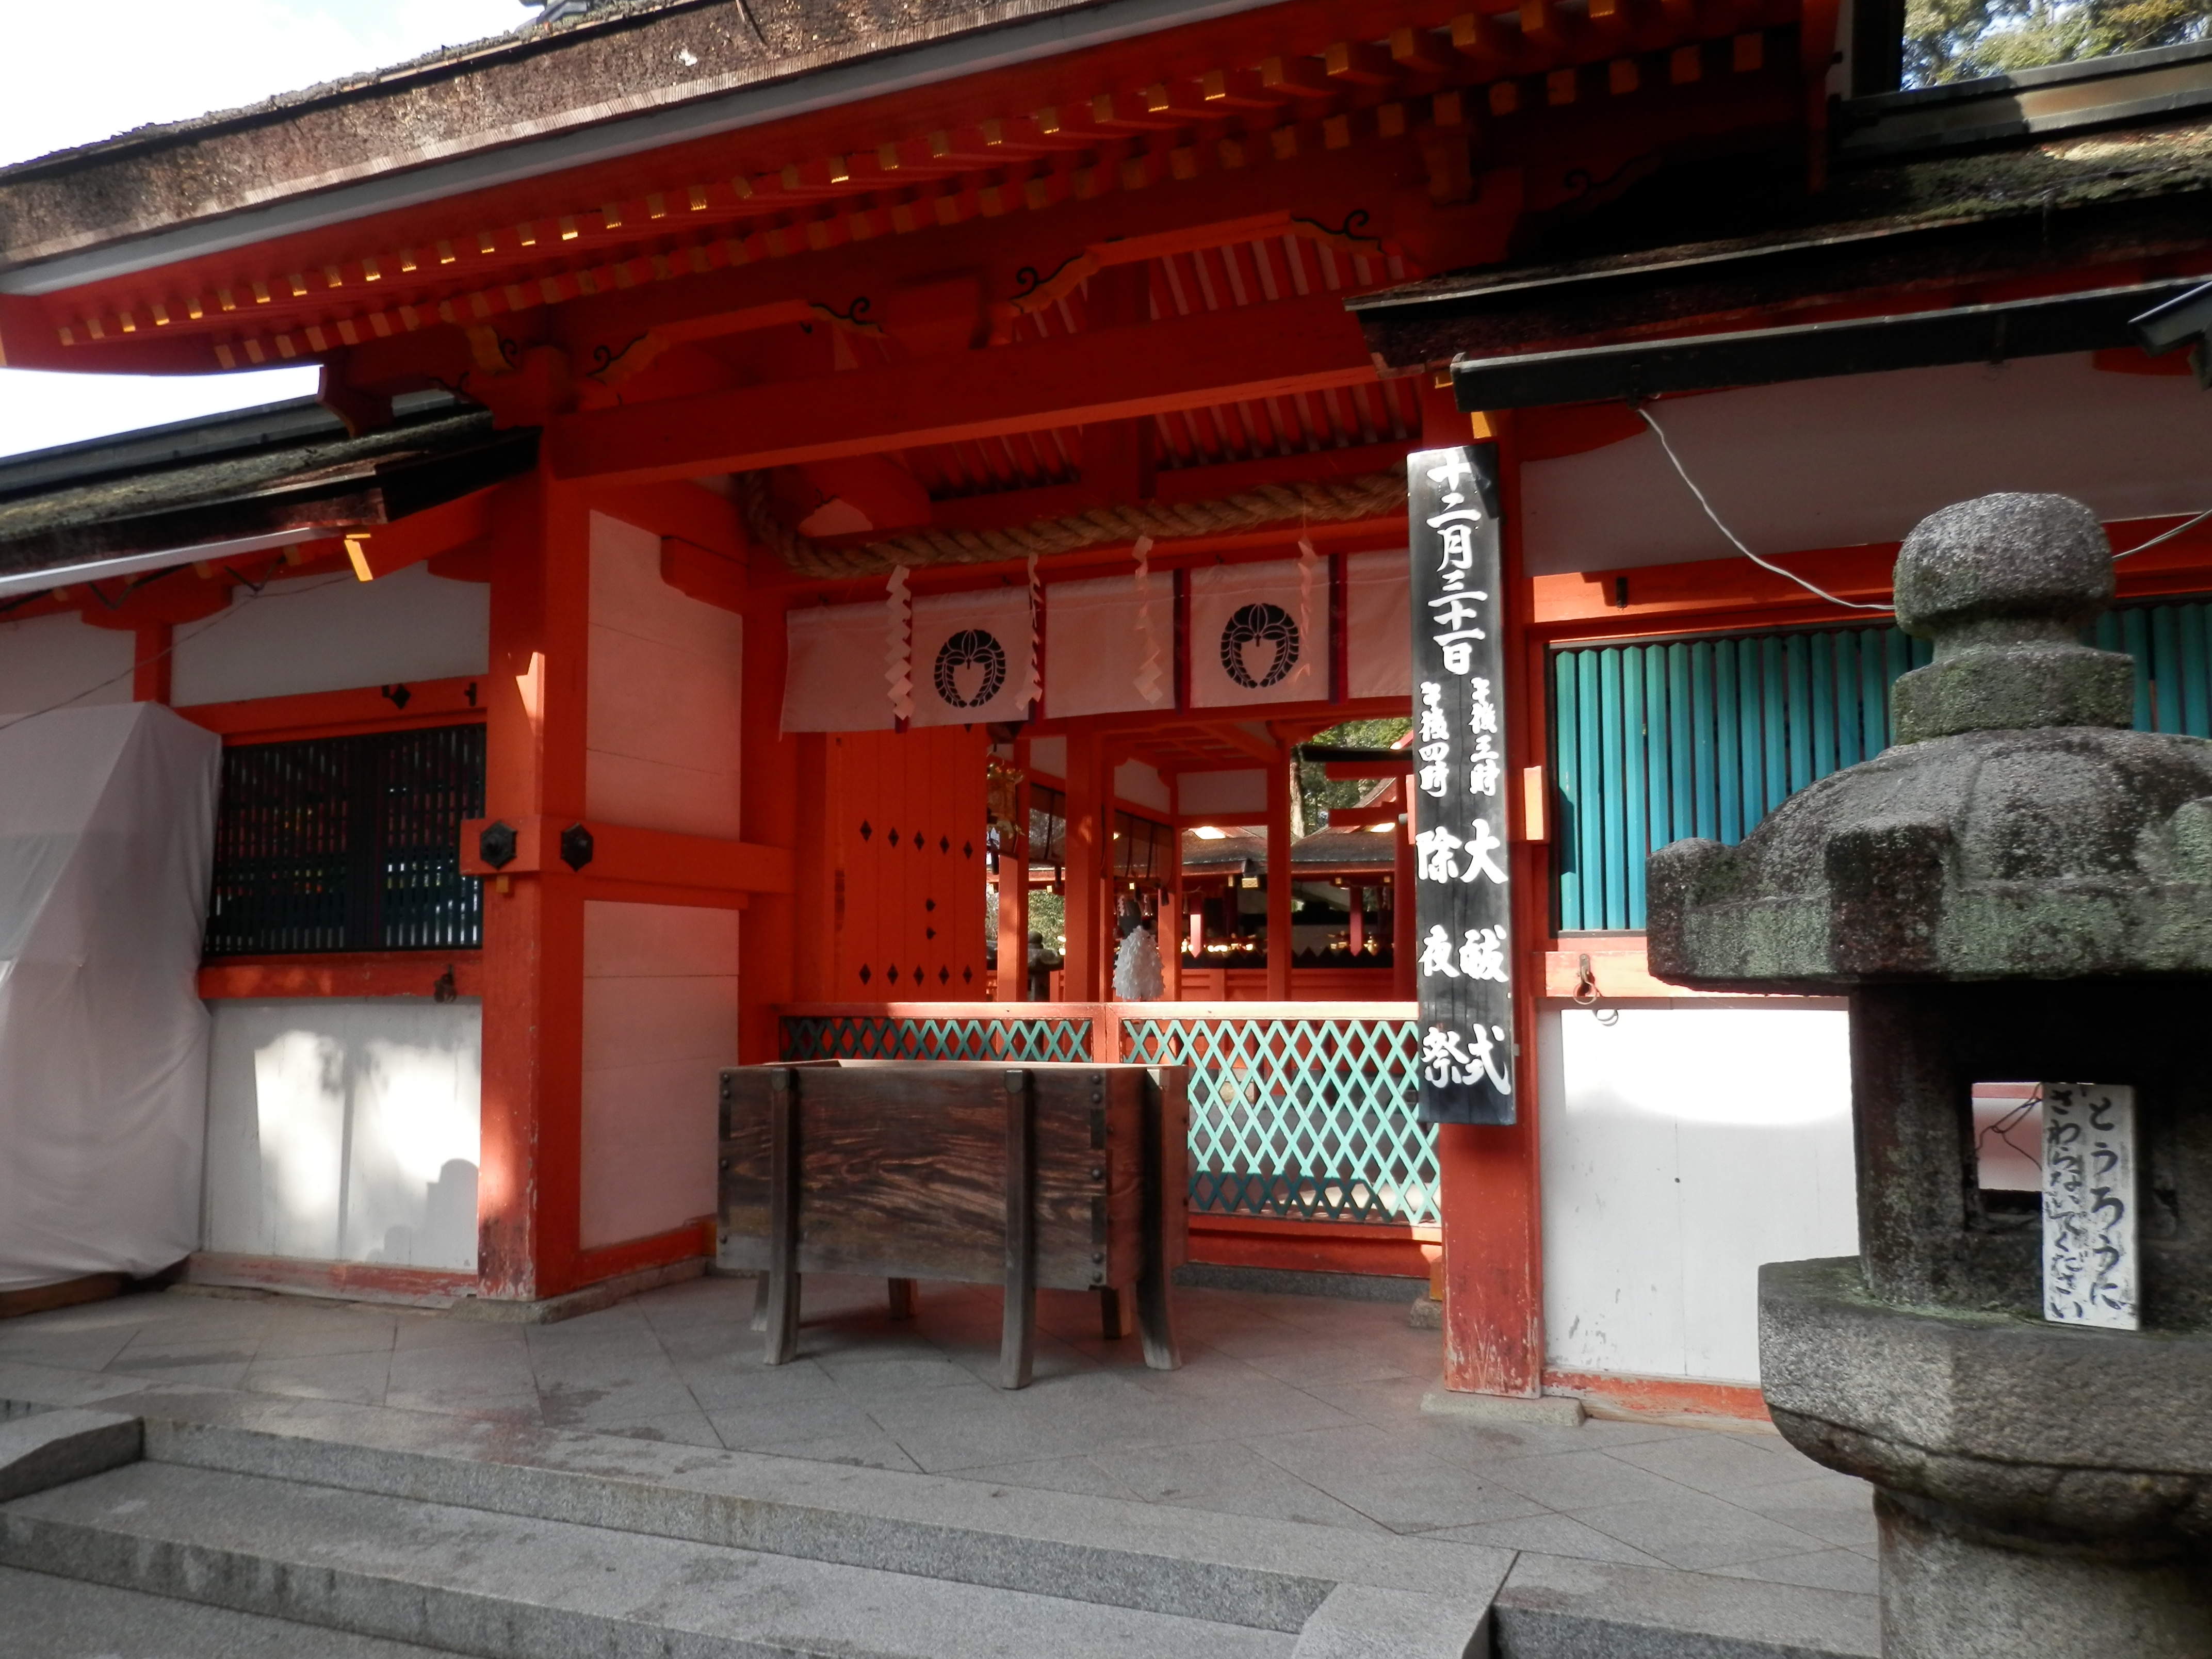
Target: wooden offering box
{"x":1071,"y":1177}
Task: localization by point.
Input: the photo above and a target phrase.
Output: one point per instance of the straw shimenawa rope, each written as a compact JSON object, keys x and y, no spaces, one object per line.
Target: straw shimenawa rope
{"x":1370,"y":496}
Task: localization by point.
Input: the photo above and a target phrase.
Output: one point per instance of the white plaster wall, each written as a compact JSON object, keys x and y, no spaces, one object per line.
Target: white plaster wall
{"x":1684,"y":1144}
{"x":1197,"y":794}
{"x":660,"y":1021}
{"x":1048,"y":755}
{"x":662,"y":733}
{"x":1864,"y":458}
{"x":58,"y":659}
{"x":345,"y":1130}
{"x":1139,"y":785}
{"x":332,"y":634}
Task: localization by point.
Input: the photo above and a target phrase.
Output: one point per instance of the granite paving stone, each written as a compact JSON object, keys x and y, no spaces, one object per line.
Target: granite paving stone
{"x":1228,"y":1477}
{"x":1699,"y":1533}
{"x":1570,"y":1481}
{"x":1292,"y":1407}
{"x":1550,"y":1534}
{"x":1842,"y":1570}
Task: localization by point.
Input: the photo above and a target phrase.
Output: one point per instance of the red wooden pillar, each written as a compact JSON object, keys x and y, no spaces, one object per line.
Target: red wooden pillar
{"x":1014,"y":888}
{"x":1171,"y":924}
{"x":533,"y":988}
{"x":1087,"y":862}
{"x":769,"y":809}
{"x":152,"y":652}
{"x":1278,"y":881}
{"x":1493,"y":1177}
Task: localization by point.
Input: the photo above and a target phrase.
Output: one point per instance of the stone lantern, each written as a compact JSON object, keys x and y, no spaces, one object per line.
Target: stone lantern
{"x":2019,"y":891}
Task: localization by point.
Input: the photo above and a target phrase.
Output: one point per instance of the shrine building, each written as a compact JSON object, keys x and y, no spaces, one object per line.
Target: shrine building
{"x":802,"y":496}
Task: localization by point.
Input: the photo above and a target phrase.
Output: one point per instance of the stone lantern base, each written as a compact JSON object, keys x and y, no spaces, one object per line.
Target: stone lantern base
{"x":2041,"y":1490}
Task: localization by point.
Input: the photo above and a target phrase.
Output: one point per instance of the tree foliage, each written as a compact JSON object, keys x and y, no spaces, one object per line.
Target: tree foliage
{"x":1318,"y":792}
{"x":1959,"y":39}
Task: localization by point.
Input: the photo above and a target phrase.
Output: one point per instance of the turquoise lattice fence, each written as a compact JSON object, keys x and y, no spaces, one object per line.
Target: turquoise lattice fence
{"x":890,"y":1036}
{"x":1308,"y":1119}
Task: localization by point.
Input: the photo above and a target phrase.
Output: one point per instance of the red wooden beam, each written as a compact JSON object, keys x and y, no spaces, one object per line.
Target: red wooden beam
{"x":643,"y":858}
{"x":340,"y":713}
{"x":345,"y":974}
{"x":1259,"y":351}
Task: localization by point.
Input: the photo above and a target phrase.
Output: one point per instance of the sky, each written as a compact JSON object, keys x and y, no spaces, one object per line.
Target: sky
{"x":92,"y":69}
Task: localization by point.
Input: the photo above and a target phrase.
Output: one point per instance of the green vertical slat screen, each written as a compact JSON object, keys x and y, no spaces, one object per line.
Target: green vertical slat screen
{"x":1704,"y":736}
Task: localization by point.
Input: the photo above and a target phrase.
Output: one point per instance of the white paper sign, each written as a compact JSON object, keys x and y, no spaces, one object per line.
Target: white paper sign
{"x":2089,"y":1260}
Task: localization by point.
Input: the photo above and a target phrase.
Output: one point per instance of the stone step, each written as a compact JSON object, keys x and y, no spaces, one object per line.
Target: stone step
{"x":1346,"y":1594}
{"x":1239,"y":1570}
{"x":1552,"y":1607}
{"x":48,"y":1618}
{"x":504,"y":1587}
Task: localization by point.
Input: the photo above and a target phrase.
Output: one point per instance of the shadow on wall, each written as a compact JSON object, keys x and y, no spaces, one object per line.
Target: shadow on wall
{"x":1684,"y":1145}
{"x":345,"y":1131}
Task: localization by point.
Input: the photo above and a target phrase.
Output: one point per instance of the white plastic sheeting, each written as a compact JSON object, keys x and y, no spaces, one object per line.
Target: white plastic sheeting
{"x":106,"y":845}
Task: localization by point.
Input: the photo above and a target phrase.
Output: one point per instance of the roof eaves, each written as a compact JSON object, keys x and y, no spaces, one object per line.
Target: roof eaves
{"x":636,"y":77}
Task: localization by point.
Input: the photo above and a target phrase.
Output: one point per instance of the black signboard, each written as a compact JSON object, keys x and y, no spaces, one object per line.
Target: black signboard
{"x":1463,"y":895}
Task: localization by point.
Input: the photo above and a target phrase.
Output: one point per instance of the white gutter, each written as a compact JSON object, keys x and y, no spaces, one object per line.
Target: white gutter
{"x":132,"y":564}
{"x":617,"y":133}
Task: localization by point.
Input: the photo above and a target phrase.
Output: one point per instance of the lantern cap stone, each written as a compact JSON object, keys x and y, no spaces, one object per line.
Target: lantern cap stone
{"x":2016,"y":829}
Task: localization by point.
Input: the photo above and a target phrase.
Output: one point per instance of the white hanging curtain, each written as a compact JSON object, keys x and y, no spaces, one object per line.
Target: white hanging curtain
{"x":1258,"y":635}
{"x":1378,"y":635}
{"x":971,"y":657}
{"x":1092,"y":647}
{"x":833,"y":680}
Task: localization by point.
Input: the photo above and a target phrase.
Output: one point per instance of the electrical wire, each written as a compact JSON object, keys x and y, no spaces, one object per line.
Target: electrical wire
{"x":1682,"y":472}
{"x":2165,"y":535}
{"x":1735,"y":541}
{"x":253,"y":593}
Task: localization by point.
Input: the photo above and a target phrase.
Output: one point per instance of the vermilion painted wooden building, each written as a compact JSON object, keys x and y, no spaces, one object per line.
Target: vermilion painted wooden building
{"x":784,"y":474}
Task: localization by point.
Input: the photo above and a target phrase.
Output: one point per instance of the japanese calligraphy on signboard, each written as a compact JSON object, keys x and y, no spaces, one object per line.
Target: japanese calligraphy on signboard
{"x":1462,"y":894}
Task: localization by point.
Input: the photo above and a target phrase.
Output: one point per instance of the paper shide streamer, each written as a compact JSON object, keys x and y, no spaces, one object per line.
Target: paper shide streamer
{"x":1308,"y":567}
{"x":898,"y":663}
{"x":1151,"y":668}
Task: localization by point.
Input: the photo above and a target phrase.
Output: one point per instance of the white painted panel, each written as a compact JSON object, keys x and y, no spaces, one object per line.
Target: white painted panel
{"x":53,"y":660}
{"x":631,"y":941}
{"x":331,"y":634}
{"x":1199,"y":793}
{"x":1864,"y":458}
{"x":1139,"y":785}
{"x":627,"y":593}
{"x":660,"y":1021}
{"x":1049,"y":757}
{"x":662,"y":727}
{"x":1684,"y":1144}
{"x":345,"y":1130}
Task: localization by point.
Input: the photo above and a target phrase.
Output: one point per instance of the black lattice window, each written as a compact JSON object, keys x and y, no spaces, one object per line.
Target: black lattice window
{"x":348,"y":844}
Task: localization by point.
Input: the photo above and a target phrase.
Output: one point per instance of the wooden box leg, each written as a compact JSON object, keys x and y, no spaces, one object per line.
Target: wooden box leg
{"x":1156,"y":1319}
{"x":760,"y":1303}
{"x":783,"y":1219}
{"x":902,"y":1294}
{"x":1114,"y":1320}
{"x":1017,"y":1341}
{"x":1166,"y":1150}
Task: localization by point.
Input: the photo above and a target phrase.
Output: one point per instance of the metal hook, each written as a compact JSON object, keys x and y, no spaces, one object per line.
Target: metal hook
{"x":1586,"y":991}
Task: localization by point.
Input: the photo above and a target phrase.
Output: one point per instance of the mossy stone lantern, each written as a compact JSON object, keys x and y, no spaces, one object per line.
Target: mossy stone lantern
{"x":2019,"y":891}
